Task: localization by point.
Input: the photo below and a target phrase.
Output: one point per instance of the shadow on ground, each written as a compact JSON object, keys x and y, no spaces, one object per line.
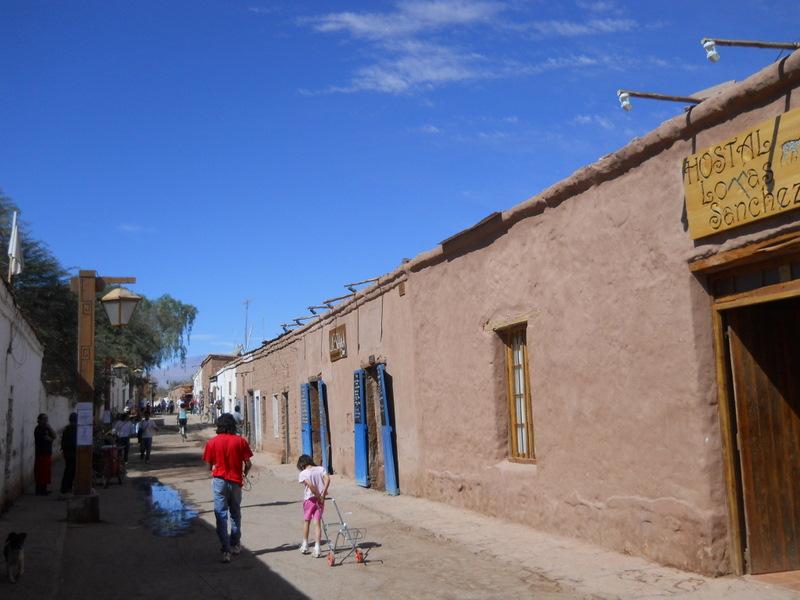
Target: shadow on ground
{"x":150,"y":544}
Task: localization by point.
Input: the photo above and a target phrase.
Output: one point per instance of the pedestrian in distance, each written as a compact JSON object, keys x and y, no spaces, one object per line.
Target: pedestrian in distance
{"x":136,"y":420}
{"x":124,"y":429}
{"x":43,"y":436}
{"x":147,"y":429}
{"x":237,"y":414}
{"x":182,"y":420}
{"x":69,"y":448}
{"x":228,"y":457}
{"x":316,"y":482}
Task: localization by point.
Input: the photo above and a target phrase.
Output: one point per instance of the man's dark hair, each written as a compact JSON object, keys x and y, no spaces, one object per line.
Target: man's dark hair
{"x":226,"y":424}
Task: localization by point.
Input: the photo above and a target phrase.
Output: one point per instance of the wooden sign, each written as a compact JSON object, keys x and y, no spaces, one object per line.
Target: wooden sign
{"x":749,"y":177}
{"x":337,"y":343}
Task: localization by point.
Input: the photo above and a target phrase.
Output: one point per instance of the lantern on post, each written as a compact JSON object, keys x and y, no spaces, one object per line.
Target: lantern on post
{"x":120,"y":304}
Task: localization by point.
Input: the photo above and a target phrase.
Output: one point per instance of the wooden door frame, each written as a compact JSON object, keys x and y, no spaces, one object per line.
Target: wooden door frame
{"x":766,"y":252}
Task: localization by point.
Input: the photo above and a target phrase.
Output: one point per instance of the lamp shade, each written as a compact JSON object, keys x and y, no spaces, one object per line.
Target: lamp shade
{"x":118,"y":369}
{"x":711,"y":50}
{"x":624,"y":100}
{"x":120,"y":304}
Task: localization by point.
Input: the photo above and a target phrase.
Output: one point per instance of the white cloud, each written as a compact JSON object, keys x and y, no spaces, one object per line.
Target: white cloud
{"x":599,"y":120}
{"x":409,"y":56}
{"x":417,"y":65}
{"x":429,"y":129}
{"x":223,"y":344}
{"x":493,"y":135}
{"x":262,"y":10}
{"x":577,"y":28}
{"x":133,"y":228}
{"x":203,"y":337}
{"x":597,"y":6}
{"x":409,"y":18}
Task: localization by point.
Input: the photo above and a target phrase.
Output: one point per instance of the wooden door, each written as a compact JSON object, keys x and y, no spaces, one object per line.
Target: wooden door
{"x":765,"y":349}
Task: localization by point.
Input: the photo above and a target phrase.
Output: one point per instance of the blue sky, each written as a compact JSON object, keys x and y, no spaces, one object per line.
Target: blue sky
{"x":273,"y":151}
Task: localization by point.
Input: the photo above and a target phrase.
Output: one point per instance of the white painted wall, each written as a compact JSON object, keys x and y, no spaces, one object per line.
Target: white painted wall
{"x":197,"y":386}
{"x":120,"y":393}
{"x":22,"y":398}
{"x":226,"y":384}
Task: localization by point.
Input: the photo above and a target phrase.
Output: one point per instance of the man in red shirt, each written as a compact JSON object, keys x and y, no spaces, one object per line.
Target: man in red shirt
{"x":228,"y":457}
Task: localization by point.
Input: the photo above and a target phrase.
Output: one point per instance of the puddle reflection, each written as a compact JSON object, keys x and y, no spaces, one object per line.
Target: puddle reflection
{"x":168,"y":515}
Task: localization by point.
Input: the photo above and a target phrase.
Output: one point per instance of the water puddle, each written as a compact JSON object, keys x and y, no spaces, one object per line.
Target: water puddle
{"x":168,"y":514}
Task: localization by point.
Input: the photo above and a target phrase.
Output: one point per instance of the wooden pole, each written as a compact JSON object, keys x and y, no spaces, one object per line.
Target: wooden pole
{"x":87,"y":289}
{"x":754,"y":44}
{"x":654,"y":96}
{"x":86,"y":285}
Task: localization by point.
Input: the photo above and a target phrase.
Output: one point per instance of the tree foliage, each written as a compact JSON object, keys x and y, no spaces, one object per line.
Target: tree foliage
{"x":158,"y":332}
{"x":44,"y":298}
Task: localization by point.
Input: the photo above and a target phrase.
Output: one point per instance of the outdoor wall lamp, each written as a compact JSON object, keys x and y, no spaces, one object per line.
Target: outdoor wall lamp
{"x":118,"y":369}
{"x":300,"y":320}
{"x":120,"y":304}
{"x":624,"y":97}
{"x":624,"y":100}
{"x":710,"y":46}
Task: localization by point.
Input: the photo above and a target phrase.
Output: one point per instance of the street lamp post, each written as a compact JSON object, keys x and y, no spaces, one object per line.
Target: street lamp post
{"x":86,"y":507}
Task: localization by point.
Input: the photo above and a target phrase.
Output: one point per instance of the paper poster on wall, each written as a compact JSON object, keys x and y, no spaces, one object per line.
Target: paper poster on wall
{"x":84,"y":435}
{"x":85,"y":412}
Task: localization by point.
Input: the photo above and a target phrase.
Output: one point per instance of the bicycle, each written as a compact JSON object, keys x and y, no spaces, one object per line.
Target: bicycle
{"x":249,"y":480}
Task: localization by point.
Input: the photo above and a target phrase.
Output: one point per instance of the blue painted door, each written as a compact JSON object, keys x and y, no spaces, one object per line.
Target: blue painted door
{"x":388,"y":436}
{"x":361,"y":444}
{"x":305,"y":418}
{"x":324,"y":434}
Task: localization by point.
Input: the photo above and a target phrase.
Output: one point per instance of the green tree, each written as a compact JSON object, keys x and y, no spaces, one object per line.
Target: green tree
{"x":158,"y":332}
{"x":44,"y":298}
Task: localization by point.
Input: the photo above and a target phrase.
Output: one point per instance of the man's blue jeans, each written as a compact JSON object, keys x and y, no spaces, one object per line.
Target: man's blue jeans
{"x":228,"y":499}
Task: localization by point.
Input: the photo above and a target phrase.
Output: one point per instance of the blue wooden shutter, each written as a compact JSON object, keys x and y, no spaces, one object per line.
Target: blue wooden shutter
{"x":324,"y":434}
{"x":361,"y":445}
{"x":387,"y":436}
{"x":305,"y":418}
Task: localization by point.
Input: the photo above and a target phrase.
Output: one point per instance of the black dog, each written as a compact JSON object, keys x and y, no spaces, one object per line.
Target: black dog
{"x":14,"y":555}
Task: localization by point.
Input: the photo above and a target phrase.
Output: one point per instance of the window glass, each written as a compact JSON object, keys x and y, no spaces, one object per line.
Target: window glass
{"x":520,"y":425}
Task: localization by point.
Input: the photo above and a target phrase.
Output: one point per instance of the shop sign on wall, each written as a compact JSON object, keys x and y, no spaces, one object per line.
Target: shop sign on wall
{"x":337,"y":343}
{"x":751,"y":176}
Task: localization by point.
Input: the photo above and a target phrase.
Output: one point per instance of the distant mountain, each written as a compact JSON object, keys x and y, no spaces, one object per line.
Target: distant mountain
{"x":176,"y":372}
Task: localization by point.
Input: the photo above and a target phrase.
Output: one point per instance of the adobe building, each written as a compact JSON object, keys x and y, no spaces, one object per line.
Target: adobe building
{"x":208,"y":368}
{"x":180,"y":393}
{"x":612,"y":360}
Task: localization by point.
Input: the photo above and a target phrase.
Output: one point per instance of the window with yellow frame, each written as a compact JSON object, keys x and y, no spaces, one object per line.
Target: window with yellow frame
{"x":520,"y":428}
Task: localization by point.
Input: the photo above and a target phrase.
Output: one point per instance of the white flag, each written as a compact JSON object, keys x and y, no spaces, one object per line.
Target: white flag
{"x":15,"y":262}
